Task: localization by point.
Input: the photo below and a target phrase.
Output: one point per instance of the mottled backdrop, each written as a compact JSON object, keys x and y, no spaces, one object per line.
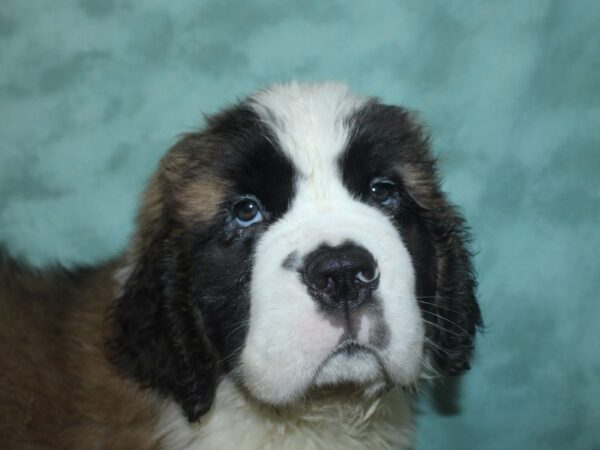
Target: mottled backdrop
{"x":93,"y":92}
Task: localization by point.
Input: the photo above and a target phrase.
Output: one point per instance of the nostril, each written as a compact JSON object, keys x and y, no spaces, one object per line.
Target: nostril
{"x":368,"y":276}
{"x":322,"y":283}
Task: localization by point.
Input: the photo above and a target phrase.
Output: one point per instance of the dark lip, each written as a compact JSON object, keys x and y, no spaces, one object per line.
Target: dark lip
{"x":351,"y":347}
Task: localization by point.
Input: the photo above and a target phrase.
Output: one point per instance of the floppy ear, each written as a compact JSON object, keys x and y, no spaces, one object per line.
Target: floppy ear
{"x":455,"y":314}
{"x":156,"y":333}
{"x":456,"y":311}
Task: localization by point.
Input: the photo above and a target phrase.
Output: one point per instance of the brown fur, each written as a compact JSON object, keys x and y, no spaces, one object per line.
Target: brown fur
{"x":182,"y":183}
{"x":200,"y":199}
{"x":57,"y":388}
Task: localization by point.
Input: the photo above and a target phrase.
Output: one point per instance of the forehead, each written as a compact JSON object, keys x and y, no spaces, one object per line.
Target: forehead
{"x":311,"y":123}
{"x":315,"y":140}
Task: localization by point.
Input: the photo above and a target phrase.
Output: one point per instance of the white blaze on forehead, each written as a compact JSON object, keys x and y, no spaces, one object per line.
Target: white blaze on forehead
{"x":310,"y":123}
{"x":289,"y":338}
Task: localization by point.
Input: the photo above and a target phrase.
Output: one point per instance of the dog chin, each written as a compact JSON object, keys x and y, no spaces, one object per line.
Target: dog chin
{"x":351,"y":365}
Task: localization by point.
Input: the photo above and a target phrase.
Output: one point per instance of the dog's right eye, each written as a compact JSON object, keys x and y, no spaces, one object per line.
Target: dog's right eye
{"x":247,"y":212}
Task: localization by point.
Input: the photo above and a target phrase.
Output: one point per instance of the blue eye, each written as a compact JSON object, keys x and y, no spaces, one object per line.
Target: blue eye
{"x":247,"y":212}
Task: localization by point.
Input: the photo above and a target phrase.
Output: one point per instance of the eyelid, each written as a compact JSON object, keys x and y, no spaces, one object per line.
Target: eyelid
{"x":246,"y":223}
{"x":242,"y":197}
{"x":382,"y":180}
{"x":385,"y":182}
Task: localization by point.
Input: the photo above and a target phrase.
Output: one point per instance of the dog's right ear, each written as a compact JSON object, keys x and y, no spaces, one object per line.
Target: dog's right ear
{"x":155,"y":332}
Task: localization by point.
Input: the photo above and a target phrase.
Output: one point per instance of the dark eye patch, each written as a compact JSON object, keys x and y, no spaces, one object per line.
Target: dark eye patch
{"x":253,"y":163}
{"x":381,"y":139}
{"x":369,"y":176}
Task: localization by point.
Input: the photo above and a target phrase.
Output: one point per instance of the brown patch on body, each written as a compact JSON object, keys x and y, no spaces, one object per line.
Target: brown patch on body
{"x":57,"y":389}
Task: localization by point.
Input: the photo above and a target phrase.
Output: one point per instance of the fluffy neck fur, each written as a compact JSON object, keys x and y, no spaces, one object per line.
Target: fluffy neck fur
{"x":346,"y":421}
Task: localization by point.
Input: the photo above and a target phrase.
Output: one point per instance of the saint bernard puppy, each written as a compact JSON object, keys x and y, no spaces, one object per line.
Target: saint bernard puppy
{"x":296,"y":271}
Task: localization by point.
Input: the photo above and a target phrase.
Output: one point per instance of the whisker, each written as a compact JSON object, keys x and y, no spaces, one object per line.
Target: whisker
{"x":451,"y":322}
{"x":239,"y":325}
{"x":234,"y":352}
{"x":430,"y":372}
{"x":437,"y":347}
{"x":232,"y":355}
{"x":441,"y":328}
{"x":443,"y":307}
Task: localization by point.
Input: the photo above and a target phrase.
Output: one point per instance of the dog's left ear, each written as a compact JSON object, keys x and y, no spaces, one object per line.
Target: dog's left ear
{"x":454,"y":315}
{"x":456,"y":310}
{"x":156,"y":334}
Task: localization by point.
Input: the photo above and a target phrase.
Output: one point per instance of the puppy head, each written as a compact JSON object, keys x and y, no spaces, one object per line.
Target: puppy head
{"x":300,"y":241}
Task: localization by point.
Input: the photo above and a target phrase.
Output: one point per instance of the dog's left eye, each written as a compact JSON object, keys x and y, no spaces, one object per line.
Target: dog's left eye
{"x":247,"y":212}
{"x":382,"y":191}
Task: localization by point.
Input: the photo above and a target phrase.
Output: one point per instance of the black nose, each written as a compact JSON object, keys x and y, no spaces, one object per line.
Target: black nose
{"x":342,"y":276}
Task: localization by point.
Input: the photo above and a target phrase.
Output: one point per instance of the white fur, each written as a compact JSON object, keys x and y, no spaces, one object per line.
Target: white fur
{"x":237,"y":423}
{"x":289,"y":340}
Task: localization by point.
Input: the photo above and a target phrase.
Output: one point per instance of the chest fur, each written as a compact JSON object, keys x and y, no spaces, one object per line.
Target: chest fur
{"x":234,"y":422}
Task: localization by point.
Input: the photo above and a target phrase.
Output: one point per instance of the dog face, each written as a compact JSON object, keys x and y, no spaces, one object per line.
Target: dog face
{"x":300,"y":241}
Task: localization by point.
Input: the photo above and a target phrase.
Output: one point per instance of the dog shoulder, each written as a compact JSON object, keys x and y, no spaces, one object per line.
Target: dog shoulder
{"x":57,"y":389}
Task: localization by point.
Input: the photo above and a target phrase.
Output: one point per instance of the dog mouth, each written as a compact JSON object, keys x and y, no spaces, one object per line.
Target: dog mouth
{"x":352,"y":347}
{"x":351,"y":362}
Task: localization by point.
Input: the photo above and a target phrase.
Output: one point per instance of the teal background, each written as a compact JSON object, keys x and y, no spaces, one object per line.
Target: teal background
{"x":93,"y":92}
